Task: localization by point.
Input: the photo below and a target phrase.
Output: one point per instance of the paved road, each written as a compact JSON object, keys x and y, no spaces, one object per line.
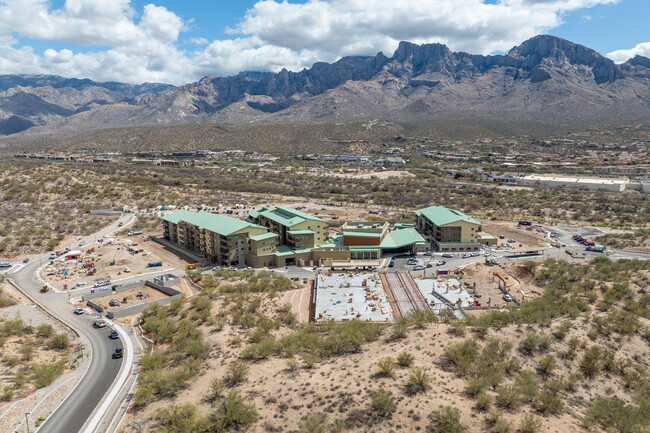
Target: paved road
{"x":75,"y":411}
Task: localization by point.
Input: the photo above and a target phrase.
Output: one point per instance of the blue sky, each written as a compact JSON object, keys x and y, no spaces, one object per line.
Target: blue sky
{"x":180,"y":41}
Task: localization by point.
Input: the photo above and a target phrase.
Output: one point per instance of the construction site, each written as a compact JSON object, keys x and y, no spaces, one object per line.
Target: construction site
{"x":387,"y":296}
{"x":107,"y":260}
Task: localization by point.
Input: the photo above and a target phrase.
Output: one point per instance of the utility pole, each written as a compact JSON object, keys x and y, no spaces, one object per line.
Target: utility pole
{"x":27,"y":421}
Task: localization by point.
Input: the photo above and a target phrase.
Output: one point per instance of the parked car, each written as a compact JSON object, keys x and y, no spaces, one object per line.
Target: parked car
{"x":82,"y":243}
{"x":467,"y":255}
{"x":418,"y":268}
{"x":391,"y":264}
{"x":118,"y":353}
{"x":99,"y":323}
{"x":78,"y":311}
{"x":114,"y":335}
{"x":102,"y":283}
{"x":447,"y":256}
{"x":440,"y":263}
{"x":507,"y":297}
{"x":427,"y":253}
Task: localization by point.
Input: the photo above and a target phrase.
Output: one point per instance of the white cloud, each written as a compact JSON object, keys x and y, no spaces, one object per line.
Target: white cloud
{"x":621,"y":56}
{"x":143,"y":45}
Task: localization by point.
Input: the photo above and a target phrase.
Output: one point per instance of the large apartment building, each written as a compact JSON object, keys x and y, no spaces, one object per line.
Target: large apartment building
{"x":221,"y":239}
{"x":448,"y":229}
{"x":280,"y":237}
{"x":297,"y":230}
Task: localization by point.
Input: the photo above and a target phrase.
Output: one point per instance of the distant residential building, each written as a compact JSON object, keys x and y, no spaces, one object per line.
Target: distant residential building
{"x":448,"y":229}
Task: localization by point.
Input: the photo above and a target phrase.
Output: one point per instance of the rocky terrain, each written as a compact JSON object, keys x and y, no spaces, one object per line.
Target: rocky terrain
{"x":546,"y":79}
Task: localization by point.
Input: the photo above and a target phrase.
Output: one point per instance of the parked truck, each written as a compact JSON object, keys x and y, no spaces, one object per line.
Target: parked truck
{"x":525,"y":223}
{"x":154,"y":264}
{"x":135,"y":232}
{"x":595,"y":248}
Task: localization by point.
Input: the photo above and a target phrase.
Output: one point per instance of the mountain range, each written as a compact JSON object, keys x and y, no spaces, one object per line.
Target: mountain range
{"x":545,"y":79}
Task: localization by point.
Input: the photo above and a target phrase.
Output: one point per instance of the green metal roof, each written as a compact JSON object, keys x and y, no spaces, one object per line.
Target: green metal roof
{"x":284,"y":216}
{"x":264,"y":236}
{"x":361,"y":234}
{"x":487,"y":237}
{"x":217,"y":223}
{"x":401,"y":238}
{"x":441,"y":215}
{"x":300,"y":232}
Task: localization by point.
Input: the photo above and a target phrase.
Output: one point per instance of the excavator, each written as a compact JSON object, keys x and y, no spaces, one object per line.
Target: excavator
{"x":45,"y":288}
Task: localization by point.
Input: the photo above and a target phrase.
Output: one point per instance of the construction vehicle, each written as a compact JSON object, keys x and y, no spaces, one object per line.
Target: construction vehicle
{"x":45,"y":289}
{"x":193,"y":266}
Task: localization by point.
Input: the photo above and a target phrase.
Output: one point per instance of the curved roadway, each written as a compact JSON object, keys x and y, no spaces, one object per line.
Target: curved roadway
{"x":77,"y":408}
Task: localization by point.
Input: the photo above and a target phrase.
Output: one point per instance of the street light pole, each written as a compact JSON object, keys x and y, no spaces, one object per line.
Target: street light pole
{"x":27,"y":421}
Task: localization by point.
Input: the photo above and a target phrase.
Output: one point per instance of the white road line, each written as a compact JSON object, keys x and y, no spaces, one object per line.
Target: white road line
{"x":117,"y":386}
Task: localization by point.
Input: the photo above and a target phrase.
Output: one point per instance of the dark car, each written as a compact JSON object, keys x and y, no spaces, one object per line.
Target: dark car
{"x":391,"y":264}
{"x":114,"y":335}
{"x":118,"y":353}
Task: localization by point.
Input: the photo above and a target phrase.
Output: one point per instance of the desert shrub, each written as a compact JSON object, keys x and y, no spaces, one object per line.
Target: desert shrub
{"x":7,"y":393}
{"x":483,"y":401}
{"x":420,"y":318}
{"x":179,"y":419}
{"x":216,"y":388}
{"x":508,"y":396}
{"x":562,"y":330}
{"x":45,"y":330}
{"x":549,"y":401}
{"x":529,"y":343}
{"x":45,"y":374}
{"x":418,"y":380}
{"x":445,"y":420}
{"x":590,"y":364}
{"x":176,"y":304}
{"x":613,"y":414}
{"x":237,"y":373}
{"x":475,"y":386}
{"x":60,"y":341}
{"x":405,"y":359}
{"x":527,"y":385}
{"x":11,"y":360}
{"x":233,"y":414}
{"x":315,"y":423}
{"x":292,"y":363}
{"x":400,"y":328}
{"x":461,"y":355}
{"x":530,"y":424}
{"x":547,"y":365}
{"x":386,"y":366}
{"x":262,"y":350}
{"x":27,"y":349}
{"x":383,"y":403}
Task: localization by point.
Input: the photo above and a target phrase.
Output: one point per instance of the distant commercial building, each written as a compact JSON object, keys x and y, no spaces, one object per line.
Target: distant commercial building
{"x":448,"y":229}
{"x":591,"y":183}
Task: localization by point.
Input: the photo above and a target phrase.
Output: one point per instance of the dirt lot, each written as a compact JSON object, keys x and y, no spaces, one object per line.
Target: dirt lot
{"x":148,"y":295}
{"x":72,"y":272}
{"x":527,"y":237}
